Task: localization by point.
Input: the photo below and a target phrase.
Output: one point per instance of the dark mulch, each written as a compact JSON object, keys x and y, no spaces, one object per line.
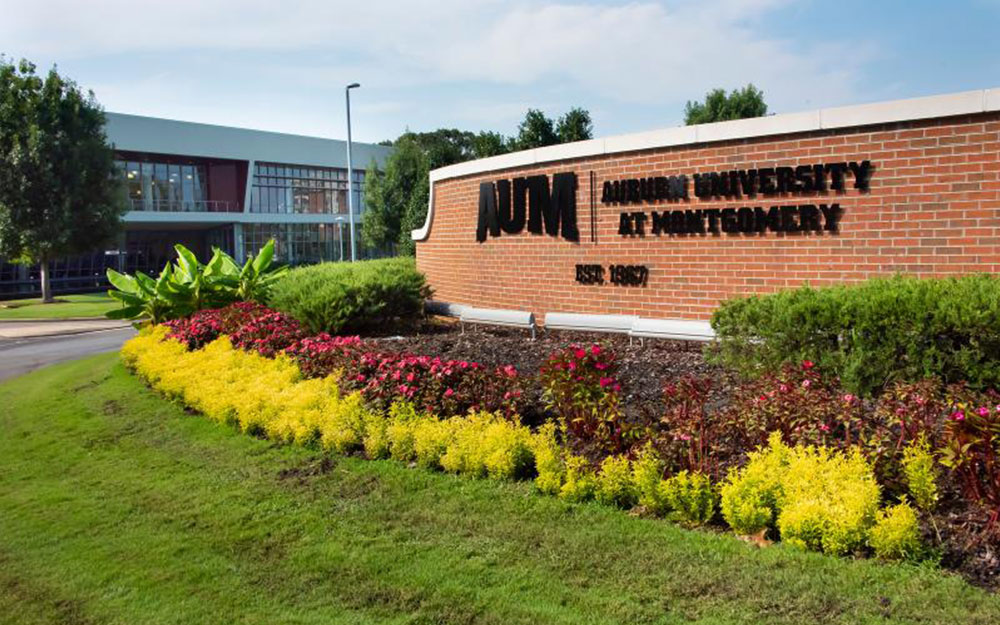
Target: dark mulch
{"x":645,"y":366}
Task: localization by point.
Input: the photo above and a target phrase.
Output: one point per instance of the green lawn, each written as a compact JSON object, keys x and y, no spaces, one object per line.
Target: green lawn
{"x":65,"y":307}
{"x":117,"y":507}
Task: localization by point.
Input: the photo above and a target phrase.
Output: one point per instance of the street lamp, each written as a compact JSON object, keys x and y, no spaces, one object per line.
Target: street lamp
{"x":350,"y":171}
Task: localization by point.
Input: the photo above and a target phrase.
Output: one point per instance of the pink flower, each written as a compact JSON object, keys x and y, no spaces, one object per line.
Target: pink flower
{"x":410,"y":377}
{"x":806,"y":383}
{"x":606,"y":382}
{"x":958,"y":415}
{"x":360,"y":377}
{"x":848,"y":398}
{"x":600,"y":366}
{"x":449,"y":392}
{"x":580,"y":353}
{"x":983,"y":411}
{"x":783,"y":388}
{"x":824,"y":427}
{"x":596,"y":350}
{"x":463,"y":364}
{"x":572,"y":366}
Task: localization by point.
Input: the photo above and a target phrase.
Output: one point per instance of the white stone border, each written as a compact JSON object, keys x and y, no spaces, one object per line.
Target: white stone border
{"x":964,"y":103}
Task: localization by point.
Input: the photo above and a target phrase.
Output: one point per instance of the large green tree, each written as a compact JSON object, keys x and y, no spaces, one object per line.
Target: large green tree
{"x":718,"y":107}
{"x":536,"y":131}
{"x":396,"y":197}
{"x":575,"y":125}
{"x":60,"y":191}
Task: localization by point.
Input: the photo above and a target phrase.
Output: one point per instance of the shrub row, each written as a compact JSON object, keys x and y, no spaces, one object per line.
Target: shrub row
{"x":870,"y":334}
{"x":796,"y":488}
{"x":352,"y":297}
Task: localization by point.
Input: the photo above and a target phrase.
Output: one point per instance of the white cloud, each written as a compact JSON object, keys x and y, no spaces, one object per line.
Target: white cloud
{"x":641,"y":53}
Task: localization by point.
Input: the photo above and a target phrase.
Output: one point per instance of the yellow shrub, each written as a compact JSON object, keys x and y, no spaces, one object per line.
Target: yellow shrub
{"x":896,"y":535}
{"x":580,"y":483}
{"x":647,"y":474}
{"x":376,"y":437}
{"x":466,"y":452}
{"x":749,"y":496}
{"x":261,"y":396}
{"x":615,"y":485}
{"x":921,"y":473}
{"x":838,"y":489}
{"x":820,"y":499}
{"x":689,"y":497}
{"x":402,"y":419}
{"x":343,"y":430}
{"x":548,"y":460}
{"x":431,"y":438}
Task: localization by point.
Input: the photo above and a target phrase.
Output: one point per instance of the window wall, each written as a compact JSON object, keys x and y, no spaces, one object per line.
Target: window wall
{"x":156,"y":186}
{"x":297,"y":244}
{"x":282,"y":188}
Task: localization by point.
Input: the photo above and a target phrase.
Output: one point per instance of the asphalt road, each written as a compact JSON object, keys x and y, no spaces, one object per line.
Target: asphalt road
{"x":19,"y":356}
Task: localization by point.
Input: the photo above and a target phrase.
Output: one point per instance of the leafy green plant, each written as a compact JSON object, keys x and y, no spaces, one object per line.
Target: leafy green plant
{"x":580,"y":483}
{"x":352,"y":297}
{"x":921,"y":474}
{"x":870,"y":334}
{"x":689,"y":497}
{"x":615,"y":486}
{"x":187,"y":285}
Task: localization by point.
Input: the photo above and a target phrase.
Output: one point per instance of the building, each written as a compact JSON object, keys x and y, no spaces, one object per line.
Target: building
{"x":668,"y":223}
{"x":203,"y":186}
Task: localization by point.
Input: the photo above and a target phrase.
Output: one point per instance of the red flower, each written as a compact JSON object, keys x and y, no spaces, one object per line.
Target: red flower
{"x":808,"y":364}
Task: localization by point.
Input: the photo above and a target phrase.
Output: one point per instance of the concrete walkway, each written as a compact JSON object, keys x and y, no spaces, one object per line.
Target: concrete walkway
{"x":31,"y":329}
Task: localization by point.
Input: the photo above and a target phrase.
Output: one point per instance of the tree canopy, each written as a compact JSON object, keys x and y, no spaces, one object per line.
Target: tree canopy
{"x":717,"y":107}
{"x":575,"y":125}
{"x":60,"y":190}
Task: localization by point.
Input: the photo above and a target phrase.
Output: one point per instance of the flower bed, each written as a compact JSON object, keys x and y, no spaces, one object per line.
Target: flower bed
{"x":907,"y":475}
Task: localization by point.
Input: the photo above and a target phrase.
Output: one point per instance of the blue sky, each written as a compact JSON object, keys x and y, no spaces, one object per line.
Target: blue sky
{"x":480,"y":64}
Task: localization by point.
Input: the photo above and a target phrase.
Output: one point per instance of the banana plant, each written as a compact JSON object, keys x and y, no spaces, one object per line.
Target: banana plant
{"x":188,"y":285}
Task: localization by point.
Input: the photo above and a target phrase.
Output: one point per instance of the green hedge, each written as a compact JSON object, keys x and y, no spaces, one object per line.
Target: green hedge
{"x":870,"y":334}
{"x":352,"y":297}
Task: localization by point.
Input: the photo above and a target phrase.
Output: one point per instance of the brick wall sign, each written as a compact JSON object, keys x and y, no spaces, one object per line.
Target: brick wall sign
{"x":669,"y":223}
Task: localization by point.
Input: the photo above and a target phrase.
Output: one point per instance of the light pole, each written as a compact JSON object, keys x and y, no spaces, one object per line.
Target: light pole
{"x":350,"y":171}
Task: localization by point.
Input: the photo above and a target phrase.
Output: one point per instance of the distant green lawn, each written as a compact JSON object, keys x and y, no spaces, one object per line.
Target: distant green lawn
{"x":118,"y":507}
{"x":65,"y":307}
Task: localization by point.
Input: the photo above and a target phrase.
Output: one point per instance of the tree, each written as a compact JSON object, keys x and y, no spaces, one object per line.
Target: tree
{"x":60,"y":190}
{"x":489,"y":143}
{"x":575,"y":126}
{"x":717,"y":107}
{"x":444,"y":146}
{"x":535,"y":131}
{"x":393,"y":197}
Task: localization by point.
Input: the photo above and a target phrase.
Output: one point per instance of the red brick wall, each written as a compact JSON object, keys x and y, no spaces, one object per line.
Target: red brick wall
{"x":933,"y":209}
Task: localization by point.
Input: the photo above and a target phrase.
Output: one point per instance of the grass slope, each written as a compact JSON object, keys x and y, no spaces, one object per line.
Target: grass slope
{"x":117,"y":507}
{"x":65,"y":307}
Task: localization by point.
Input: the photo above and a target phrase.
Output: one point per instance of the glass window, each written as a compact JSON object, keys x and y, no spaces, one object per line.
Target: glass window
{"x":187,"y":187}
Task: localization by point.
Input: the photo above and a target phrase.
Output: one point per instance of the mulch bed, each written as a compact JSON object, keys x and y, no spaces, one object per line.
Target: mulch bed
{"x":645,"y":366}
